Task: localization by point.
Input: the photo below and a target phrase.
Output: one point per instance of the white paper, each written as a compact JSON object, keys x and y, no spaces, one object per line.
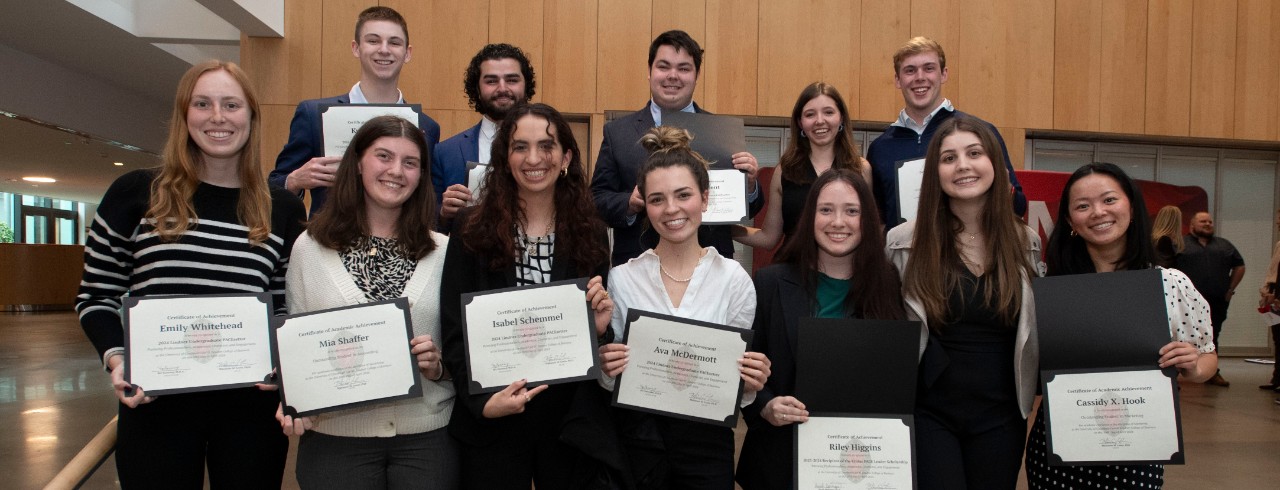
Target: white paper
{"x":542,"y":334}
{"x":727,"y":199}
{"x":342,"y":121}
{"x":682,"y":369}
{"x":190,"y":343}
{"x":853,"y":453}
{"x":475,"y":179}
{"x":1112,"y":416}
{"x":910,"y":174}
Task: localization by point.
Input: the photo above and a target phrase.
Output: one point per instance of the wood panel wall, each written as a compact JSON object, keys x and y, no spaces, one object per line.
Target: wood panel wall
{"x":40,"y":274}
{"x":1198,"y":68}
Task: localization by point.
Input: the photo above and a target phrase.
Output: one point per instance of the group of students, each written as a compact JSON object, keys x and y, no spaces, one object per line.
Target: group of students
{"x":206,"y":222}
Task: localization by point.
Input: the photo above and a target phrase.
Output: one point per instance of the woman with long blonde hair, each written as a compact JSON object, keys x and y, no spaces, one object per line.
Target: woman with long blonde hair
{"x":1166,"y":235}
{"x":203,"y":223}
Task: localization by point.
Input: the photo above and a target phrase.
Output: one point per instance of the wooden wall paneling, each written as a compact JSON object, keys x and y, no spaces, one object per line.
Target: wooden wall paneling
{"x":38,"y":274}
{"x":689,"y":16}
{"x":793,"y":56}
{"x":730,"y":70}
{"x":569,"y":40}
{"x":519,"y":23}
{"x":1015,"y":139}
{"x":582,"y":135}
{"x":625,"y":32}
{"x":885,"y":26}
{"x":1168,"y":85}
{"x":940,"y":20}
{"x":1077,"y":65}
{"x":1213,"y":68}
{"x":284,"y":69}
{"x":338,"y":68}
{"x":1257,"y":70}
{"x":445,"y":35}
{"x":1008,"y":46}
{"x":275,"y":132}
{"x":1123,"y":66}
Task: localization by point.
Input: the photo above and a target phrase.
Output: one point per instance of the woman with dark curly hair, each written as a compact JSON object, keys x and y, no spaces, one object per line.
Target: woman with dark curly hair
{"x":534,"y":224}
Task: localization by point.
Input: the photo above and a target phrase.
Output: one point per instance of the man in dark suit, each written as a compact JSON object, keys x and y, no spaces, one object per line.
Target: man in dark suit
{"x":674,"y":62}
{"x":382,"y":45}
{"x":498,"y":78}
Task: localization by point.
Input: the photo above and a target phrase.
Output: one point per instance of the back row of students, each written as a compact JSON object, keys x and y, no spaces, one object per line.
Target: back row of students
{"x":205,"y":222}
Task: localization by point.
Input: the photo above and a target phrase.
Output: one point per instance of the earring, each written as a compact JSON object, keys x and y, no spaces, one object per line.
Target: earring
{"x":841,"y":128}
{"x":802,"y":134}
{"x":1073,"y":232}
{"x":564,"y":171}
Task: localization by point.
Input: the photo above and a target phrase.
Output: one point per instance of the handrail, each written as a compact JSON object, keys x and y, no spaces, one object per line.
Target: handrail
{"x":87,"y":461}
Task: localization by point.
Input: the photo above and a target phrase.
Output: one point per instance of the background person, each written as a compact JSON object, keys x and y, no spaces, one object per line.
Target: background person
{"x":1166,"y":236}
{"x":373,"y":243}
{"x":1102,"y":226}
{"x":1216,"y":268}
{"x":203,"y":223}
{"x":834,"y":267}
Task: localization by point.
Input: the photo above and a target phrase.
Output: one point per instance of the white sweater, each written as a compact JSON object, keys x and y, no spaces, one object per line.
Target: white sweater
{"x":317,"y":280}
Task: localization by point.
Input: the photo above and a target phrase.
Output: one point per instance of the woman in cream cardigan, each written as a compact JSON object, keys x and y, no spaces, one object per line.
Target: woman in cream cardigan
{"x":371,"y":242}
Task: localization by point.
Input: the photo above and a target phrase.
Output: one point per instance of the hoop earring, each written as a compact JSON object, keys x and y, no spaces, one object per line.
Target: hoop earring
{"x":802,"y":134}
{"x":564,"y":171}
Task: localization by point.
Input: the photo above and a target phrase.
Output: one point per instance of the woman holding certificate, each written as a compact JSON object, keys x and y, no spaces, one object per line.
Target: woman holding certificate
{"x":833,"y":267}
{"x":535,"y":224}
{"x":202,"y":223}
{"x":967,"y":263}
{"x":372,"y":242}
{"x":680,"y":278}
{"x":824,"y":142}
{"x":1103,"y":226}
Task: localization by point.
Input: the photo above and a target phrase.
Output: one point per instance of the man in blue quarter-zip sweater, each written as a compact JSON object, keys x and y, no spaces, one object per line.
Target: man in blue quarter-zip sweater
{"x":919,"y":70}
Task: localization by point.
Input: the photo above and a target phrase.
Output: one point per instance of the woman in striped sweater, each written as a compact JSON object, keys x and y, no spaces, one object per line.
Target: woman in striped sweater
{"x":203,"y":223}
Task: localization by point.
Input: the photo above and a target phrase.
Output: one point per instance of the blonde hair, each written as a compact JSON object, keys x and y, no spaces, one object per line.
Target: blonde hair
{"x":1168,"y":223}
{"x":171,"y":207}
{"x":917,"y":45}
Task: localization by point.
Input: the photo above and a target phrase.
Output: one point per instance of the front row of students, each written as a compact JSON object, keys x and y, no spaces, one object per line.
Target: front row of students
{"x":206,"y":223}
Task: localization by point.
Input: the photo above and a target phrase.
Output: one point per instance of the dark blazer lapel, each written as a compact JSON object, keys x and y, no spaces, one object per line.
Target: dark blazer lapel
{"x":641,"y":121}
{"x":795,"y":305}
{"x":471,"y":147}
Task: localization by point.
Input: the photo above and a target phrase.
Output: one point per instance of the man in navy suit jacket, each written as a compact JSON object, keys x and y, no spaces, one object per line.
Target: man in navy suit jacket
{"x":674,"y":62}
{"x":498,"y":78}
{"x":382,"y":45}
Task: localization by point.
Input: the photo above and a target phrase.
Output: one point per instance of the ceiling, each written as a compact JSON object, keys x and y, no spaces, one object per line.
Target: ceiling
{"x":91,"y":82}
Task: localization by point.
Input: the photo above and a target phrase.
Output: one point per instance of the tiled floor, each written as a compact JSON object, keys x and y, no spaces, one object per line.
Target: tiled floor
{"x":54,"y":397}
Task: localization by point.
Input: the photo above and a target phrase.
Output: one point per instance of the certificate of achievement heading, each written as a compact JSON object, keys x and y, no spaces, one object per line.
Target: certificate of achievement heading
{"x":850,"y":451}
{"x":179,"y":344}
{"x":682,"y":368}
{"x":341,"y":121}
{"x":727,"y":199}
{"x":541,"y":333}
{"x":1116,"y":417}
{"x":346,"y":357}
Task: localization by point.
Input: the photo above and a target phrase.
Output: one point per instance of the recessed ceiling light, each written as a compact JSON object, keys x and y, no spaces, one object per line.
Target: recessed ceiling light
{"x":46,"y":180}
{"x":118,"y":164}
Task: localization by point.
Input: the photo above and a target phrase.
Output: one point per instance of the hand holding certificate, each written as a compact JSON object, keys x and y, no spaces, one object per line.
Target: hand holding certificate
{"x":718,"y":138}
{"x":346,"y":357}
{"x":179,"y":344}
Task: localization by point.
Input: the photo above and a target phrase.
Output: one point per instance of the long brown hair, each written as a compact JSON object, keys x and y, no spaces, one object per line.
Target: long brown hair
{"x":489,"y":230}
{"x":875,"y":290}
{"x":798,"y":150}
{"x":935,"y":268}
{"x":342,"y":219}
{"x":171,"y":208}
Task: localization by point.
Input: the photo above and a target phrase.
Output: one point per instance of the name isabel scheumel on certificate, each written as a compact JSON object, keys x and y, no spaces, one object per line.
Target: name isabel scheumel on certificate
{"x":1126,"y":416}
{"x":542,"y":333}
{"x":682,"y":368}
{"x":346,"y":356}
{"x":849,"y":452}
{"x":176,"y":344}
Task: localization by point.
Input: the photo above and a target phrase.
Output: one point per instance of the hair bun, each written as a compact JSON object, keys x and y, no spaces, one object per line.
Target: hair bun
{"x":666,"y":139}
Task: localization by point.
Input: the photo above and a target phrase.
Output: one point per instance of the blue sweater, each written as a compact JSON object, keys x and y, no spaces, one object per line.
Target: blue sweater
{"x":897,"y":144}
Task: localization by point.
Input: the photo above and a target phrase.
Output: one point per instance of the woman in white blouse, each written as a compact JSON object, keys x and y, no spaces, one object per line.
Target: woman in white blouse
{"x":679,"y":277}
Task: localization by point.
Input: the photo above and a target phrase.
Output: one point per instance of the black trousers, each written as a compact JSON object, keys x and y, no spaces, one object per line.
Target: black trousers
{"x":167,"y":443}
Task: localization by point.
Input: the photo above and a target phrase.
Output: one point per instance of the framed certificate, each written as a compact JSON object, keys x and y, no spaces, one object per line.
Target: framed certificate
{"x":341,"y":121}
{"x":727,"y":199}
{"x":1119,"y":416}
{"x":682,"y":368}
{"x":910,"y":175}
{"x":345,"y":357}
{"x":541,"y":333}
{"x":180,"y":344}
{"x":855,"y":451}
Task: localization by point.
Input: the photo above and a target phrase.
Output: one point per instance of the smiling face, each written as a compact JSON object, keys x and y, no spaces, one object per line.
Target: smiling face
{"x":837,"y":222}
{"x":502,"y":86}
{"x":1100,"y":211}
{"x":820,"y":120}
{"x":382,"y":48}
{"x":536,"y":156}
{"x":390,"y":170}
{"x":964,"y":169}
{"x":674,"y":204}
{"x":920,"y":77}
{"x":672,"y":78}
{"x":218,"y":117}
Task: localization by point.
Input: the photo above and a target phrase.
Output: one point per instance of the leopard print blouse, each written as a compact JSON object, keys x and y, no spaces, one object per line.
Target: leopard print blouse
{"x":379,"y":267}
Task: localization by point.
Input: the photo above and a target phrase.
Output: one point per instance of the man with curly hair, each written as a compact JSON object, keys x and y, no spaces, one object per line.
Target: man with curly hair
{"x":499,"y":77}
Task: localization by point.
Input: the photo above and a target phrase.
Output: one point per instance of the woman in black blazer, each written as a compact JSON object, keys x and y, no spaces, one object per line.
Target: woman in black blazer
{"x":835,"y":267}
{"x":535,"y":224}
